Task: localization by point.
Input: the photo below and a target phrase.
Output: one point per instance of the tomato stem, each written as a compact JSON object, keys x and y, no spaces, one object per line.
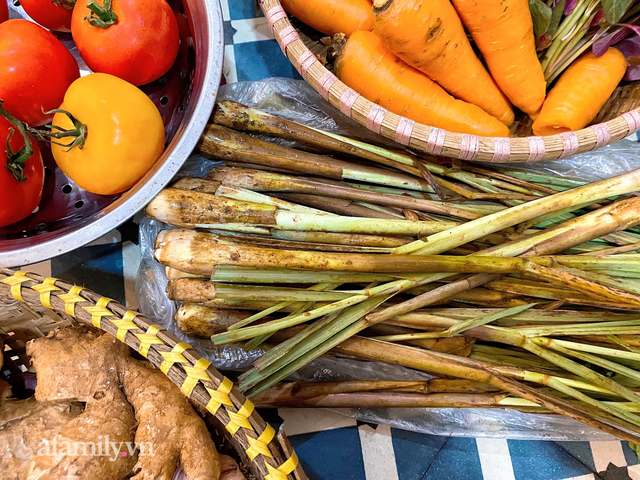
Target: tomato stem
{"x":66,"y":4}
{"x":101,"y":15}
{"x":16,"y":160}
{"x":78,"y":132}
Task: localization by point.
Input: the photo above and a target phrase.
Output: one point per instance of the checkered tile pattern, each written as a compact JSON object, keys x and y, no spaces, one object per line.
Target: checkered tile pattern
{"x":333,"y":446}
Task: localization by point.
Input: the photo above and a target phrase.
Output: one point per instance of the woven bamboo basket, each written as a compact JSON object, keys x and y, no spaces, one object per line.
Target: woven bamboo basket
{"x":619,"y":118}
{"x":31,"y":306}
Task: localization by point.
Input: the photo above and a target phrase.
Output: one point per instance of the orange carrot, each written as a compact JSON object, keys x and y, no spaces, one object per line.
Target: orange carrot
{"x":367,"y":66}
{"x":332,"y":16}
{"x":503,"y":31}
{"x":580,"y":93}
{"x":429,"y":36}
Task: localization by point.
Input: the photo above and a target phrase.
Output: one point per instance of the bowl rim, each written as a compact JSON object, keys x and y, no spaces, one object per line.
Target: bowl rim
{"x":433,"y":140}
{"x":175,"y":155}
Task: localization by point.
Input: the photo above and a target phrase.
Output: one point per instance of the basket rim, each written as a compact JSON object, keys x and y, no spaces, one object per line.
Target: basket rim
{"x":433,"y":140}
{"x":269,"y":452}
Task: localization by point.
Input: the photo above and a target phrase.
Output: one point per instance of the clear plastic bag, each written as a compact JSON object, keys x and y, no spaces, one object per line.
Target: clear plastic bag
{"x":297,"y":101}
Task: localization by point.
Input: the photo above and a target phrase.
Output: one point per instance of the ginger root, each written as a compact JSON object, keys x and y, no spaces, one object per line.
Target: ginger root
{"x":81,"y":454}
{"x":167,"y":421}
{"x":82,"y":365}
{"x":25,"y":426}
{"x":97,"y":369}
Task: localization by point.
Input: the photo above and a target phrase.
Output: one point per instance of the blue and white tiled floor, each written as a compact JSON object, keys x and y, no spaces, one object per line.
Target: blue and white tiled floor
{"x":332,"y":446}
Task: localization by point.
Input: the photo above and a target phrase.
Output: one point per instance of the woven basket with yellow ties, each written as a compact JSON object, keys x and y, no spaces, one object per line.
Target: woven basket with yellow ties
{"x":31,"y":306}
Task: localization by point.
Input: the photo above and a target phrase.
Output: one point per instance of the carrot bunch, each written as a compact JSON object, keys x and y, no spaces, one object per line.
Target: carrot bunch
{"x":414,"y":58}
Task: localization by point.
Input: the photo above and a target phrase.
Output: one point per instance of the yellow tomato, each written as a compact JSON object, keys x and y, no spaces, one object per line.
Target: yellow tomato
{"x":124,"y":134}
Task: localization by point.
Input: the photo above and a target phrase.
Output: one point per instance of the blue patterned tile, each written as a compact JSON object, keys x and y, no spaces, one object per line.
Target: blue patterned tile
{"x":330,"y":455}
{"x":258,"y":60}
{"x":541,"y":460}
{"x":457,"y":460}
{"x":98,"y":267}
{"x":415,"y":452}
{"x":241,"y":9}
{"x":581,"y":451}
{"x":630,"y":456}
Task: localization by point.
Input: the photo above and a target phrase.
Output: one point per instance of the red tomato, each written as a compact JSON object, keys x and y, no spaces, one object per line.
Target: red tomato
{"x":4,"y":11}
{"x":35,"y":71}
{"x":51,"y":14}
{"x":18,"y":199}
{"x":135,"y":40}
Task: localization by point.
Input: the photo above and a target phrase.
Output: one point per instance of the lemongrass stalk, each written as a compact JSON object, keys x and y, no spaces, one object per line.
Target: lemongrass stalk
{"x":454,"y":366}
{"x":541,"y":179}
{"x":280,"y":306}
{"x":240,"y":117}
{"x":377,"y":241}
{"x":195,"y":290}
{"x":212,"y":187}
{"x":229,"y":115}
{"x":391,"y":400}
{"x":282,"y":348}
{"x":516,"y":338}
{"x":340,"y":206}
{"x":222,"y":143}
{"x":273,"y":182}
{"x":201,"y":210}
{"x":477,"y":322}
{"x":536,"y":364}
{"x":437,"y":243}
{"x":597,"y":350}
{"x":231,"y":274}
{"x":510,"y":179}
{"x":516,"y":247}
{"x":632,"y":326}
{"x":295,"y":391}
{"x":276,"y":325}
{"x":245,"y":195}
{"x":414,"y":319}
{"x":552,"y":240}
{"x":202,"y":321}
{"x":593,"y":359}
{"x":634,"y":247}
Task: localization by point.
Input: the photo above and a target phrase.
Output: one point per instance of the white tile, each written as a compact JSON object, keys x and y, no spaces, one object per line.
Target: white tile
{"x":377,"y":453}
{"x":229,"y":69}
{"x":495,"y":459}
{"x":225,"y":9}
{"x":251,"y":30}
{"x":107,"y":239}
{"x":634,"y":472}
{"x":308,"y":420}
{"x":589,"y":476}
{"x":607,"y":452}
{"x":130,"y":264}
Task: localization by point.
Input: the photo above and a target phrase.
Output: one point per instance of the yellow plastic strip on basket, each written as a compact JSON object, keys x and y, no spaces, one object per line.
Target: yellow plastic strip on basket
{"x":125,"y":325}
{"x":44,"y":289}
{"x":98,"y":311}
{"x":150,"y":337}
{"x":260,"y":445}
{"x":174,"y":356}
{"x":194,"y":375}
{"x":15,"y":281}
{"x":283,"y":470}
{"x":220,"y":396}
{"x":70,"y":299}
{"x":240,"y":419}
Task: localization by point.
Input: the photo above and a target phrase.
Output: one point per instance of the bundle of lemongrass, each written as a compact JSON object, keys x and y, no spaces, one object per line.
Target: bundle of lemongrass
{"x":523,"y":288}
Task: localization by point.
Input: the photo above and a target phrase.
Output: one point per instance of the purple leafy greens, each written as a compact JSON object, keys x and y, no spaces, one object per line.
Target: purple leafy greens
{"x":630,"y":48}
